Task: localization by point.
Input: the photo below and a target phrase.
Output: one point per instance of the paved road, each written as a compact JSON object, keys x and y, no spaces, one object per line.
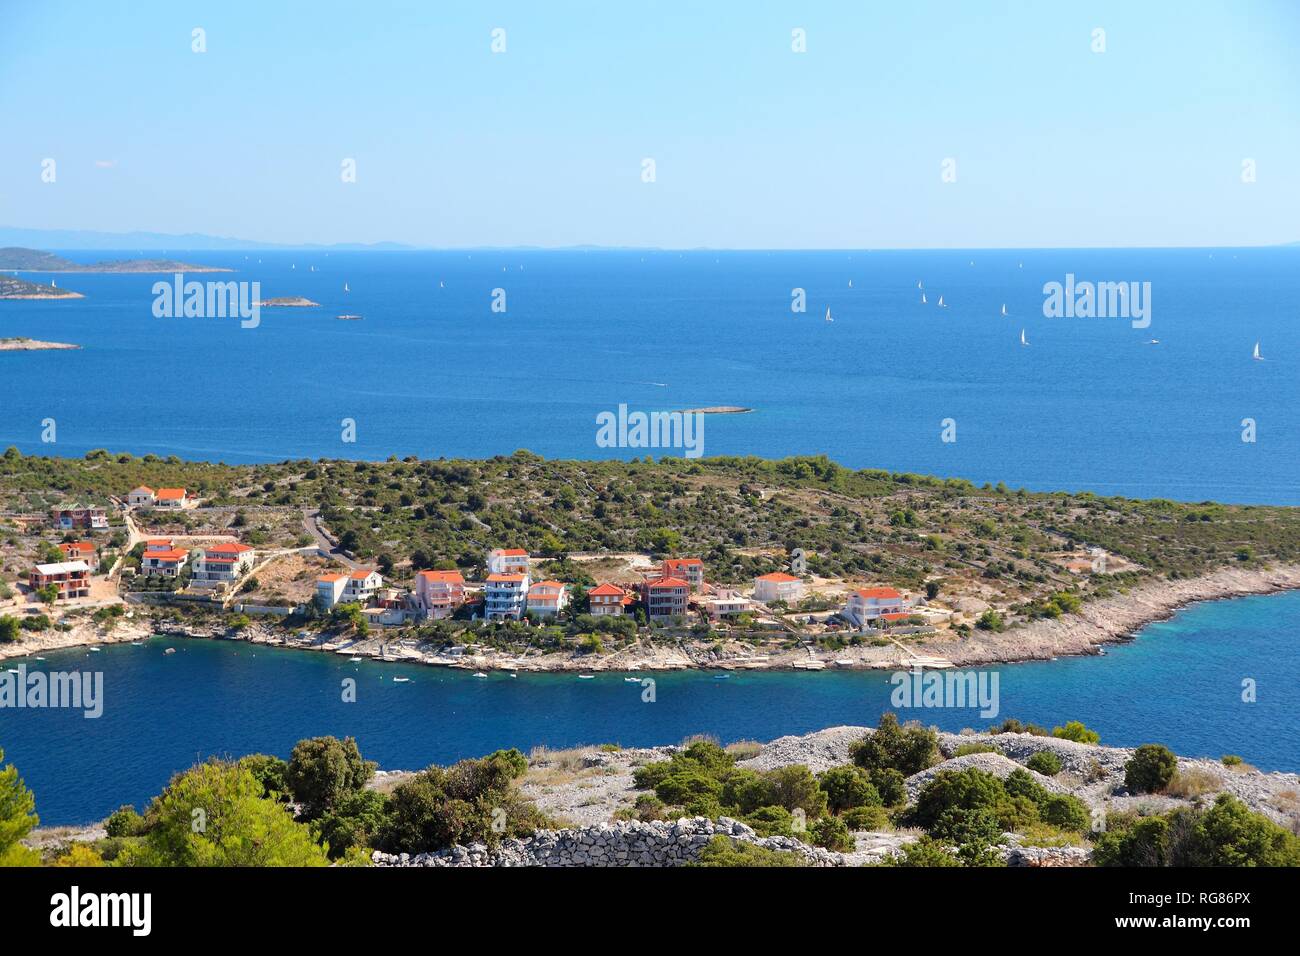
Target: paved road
{"x":311,"y":524}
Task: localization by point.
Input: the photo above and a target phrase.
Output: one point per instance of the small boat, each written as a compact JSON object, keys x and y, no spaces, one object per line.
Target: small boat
{"x":13,"y":670}
{"x":1152,"y":342}
{"x":1023,"y":340}
{"x":923,"y":298}
{"x":1255,"y":354}
{"x":441,"y":284}
{"x":513,"y":673}
{"x":722,"y":677}
{"x":586,"y":677}
{"x":355,"y":659}
{"x":850,"y":283}
{"x":1004,"y":308}
{"x":345,"y":287}
{"x":291,"y":265}
{"x":350,"y":318}
{"x":137,"y":643}
{"x":96,"y":650}
{"x":918,"y":284}
{"x":170,"y":650}
{"x":480,"y":674}
{"x":942,"y":304}
{"x":828,"y":314}
{"x":401,"y":680}
{"x":40,"y":658}
{"x":631,"y":680}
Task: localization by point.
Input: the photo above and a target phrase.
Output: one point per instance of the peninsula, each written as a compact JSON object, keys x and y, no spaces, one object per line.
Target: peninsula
{"x":21,"y":344}
{"x":13,"y":288}
{"x":288,"y":301}
{"x":17,"y":259}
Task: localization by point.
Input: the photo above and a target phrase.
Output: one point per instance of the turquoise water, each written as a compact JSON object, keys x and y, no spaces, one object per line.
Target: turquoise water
{"x":1178,"y":683}
{"x":432,"y":371}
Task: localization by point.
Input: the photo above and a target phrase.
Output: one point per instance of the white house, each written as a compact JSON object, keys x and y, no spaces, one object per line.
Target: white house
{"x":504,"y":596}
{"x":778,"y":586}
{"x":168,"y":562}
{"x":142,"y":497}
{"x":547,"y":598}
{"x":507,"y":561}
{"x":222,"y":564}
{"x":726,"y":603}
{"x":867,"y":604}
{"x":171,"y":498}
{"x":439,"y":593}
{"x":362,"y":586}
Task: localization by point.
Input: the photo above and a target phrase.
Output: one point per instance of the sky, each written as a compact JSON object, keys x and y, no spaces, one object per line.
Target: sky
{"x":754,"y":145}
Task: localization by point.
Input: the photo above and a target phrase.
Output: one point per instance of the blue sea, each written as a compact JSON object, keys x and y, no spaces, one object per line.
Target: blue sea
{"x":1179,"y":682}
{"x":432,"y":371}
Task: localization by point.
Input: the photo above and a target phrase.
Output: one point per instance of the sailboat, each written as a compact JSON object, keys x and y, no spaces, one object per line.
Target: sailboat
{"x":918,"y":284}
{"x":850,"y":283}
{"x":441,"y":284}
{"x":923,"y":298}
{"x":292,"y":265}
{"x":345,"y":287}
{"x":54,"y":284}
{"x":1255,"y":354}
{"x":942,"y":304}
{"x":1004,"y":308}
{"x":828,"y":314}
{"x":1023,"y":340}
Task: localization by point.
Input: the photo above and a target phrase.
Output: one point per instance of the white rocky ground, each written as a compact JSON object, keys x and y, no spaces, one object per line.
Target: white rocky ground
{"x":583,"y":788}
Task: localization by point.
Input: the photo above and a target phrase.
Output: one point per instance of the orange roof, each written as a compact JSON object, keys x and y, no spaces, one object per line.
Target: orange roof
{"x":172,"y":554}
{"x":877,"y":593}
{"x":504,"y":577}
{"x":896,"y":616}
{"x":329,"y":578}
{"x":606,"y":590}
{"x":229,"y":547}
{"x":443,"y":577}
{"x":68,"y":546}
{"x":670,"y":583}
{"x":512,"y":552}
{"x":171,"y":494}
{"x":778,"y":577}
{"x":166,"y":541}
{"x":362,"y":574}
{"x":683,"y":562}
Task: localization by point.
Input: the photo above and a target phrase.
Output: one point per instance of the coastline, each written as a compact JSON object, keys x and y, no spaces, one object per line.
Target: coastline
{"x":1108,"y":621}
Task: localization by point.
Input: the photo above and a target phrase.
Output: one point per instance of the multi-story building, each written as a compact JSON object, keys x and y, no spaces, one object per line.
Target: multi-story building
{"x":76,"y":516}
{"x":547,"y":598}
{"x":71,"y":578}
{"x":865,"y":605}
{"x":329,"y":590}
{"x":666,"y":597}
{"x":80,"y":551}
{"x":222,"y":564}
{"x":690,"y":570}
{"x":166,"y":562}
{"x":726,"y":603}
{"x":507,"y":561}
{"x":778,"y":586}
{"x":504,"y":596}
{"x":362,"y":586}
{"x":439,"y":593}
{"x":608,"y":599}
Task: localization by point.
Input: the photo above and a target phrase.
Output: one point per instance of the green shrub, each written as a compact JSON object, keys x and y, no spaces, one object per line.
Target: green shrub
{"x":848,"y":787}
{"x":1044,"y":762}
{"x":124,"y":822}
{"x":975,"y":748}
{"x":1150,"y":769}
{"x":833,"y":834}
{"x":354,"y":823}
{"x":866,"y":818}
{"x":724,"y":851}
{"x":1076,"y":731}
{"x":771,"y":821}
{"x":322,"y":771}
{"x":889,"y":783}
{"x":1066,"y":812}
{"x":926,"y":851}
{"x":908,"y":750}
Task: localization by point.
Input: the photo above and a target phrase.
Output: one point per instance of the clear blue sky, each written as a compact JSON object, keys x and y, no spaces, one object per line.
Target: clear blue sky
{"x":755,"y":146}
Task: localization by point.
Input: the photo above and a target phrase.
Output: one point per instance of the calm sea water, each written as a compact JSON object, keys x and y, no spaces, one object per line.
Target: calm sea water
{"x":1178,"y":683}
{"x":432,"y":371}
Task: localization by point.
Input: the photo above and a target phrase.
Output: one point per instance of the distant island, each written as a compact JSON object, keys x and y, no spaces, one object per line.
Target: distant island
{"x":21,"y":344}
{"x":11,"y":288}
{"x":288,"y":301}
{"x":718,"y":410}
{"x":17,"y":259}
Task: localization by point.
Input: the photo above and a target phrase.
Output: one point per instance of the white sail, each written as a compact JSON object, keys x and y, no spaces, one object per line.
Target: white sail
{"x":918,"y":284}
{"x":1004,"y":308}
{"x":345,"y":287}
{"x":1255,"y":355}
{"x":941,"y":304}
{"x":1023,"y":340}
{"x":923,"y":298}
{"x":828,"y":314}
{"x":850,"y":283}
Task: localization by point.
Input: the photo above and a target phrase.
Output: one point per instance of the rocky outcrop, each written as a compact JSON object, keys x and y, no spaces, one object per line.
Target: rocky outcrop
{"x":656,"y":844}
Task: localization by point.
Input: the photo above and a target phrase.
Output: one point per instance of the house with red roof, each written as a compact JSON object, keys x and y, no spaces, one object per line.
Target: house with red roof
{"x":439,"y":593}
{"x":666,"y":598}
{"x":80,"y":551}
{"x":222,"y":564}
{"x":172,"y":498}
{"x":547,"y":598}
{"x":362,"y":586}
{"x":608,"y":599}
{"x":168,"y":563}
{"x":867,"y":605}
{"x":507,"y":561}
{"x":778,"y":586}
{"x":329,"y":590}
{"x":505,"y":596}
